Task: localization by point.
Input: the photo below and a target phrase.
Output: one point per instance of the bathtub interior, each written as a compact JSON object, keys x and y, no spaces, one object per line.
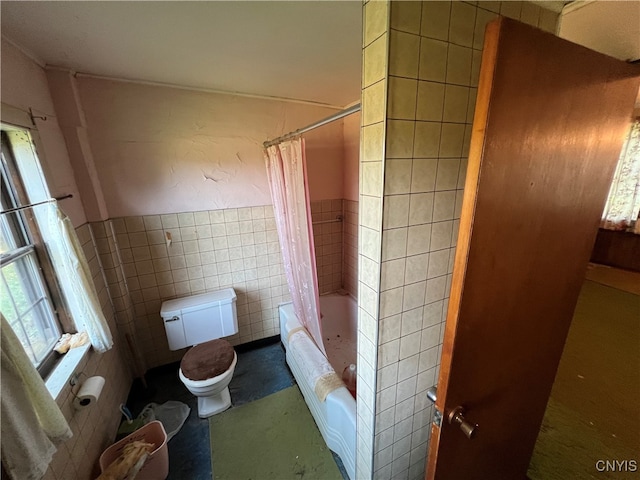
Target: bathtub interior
{"x":339,"y":329}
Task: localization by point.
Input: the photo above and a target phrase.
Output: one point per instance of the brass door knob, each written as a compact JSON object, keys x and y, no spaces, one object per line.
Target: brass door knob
{"x":456,"y":417}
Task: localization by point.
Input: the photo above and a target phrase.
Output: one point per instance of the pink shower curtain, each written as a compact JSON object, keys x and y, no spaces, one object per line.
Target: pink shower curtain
{"x":287,"y":174}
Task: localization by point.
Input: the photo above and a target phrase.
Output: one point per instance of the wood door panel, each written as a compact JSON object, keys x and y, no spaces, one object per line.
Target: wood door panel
{"x":550,"y":121}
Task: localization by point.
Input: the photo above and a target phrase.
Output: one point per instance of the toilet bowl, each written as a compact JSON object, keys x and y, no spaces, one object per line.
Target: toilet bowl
{"x":206,"y":370}
{"x":200,"y":321}
{"x":213,"y":393}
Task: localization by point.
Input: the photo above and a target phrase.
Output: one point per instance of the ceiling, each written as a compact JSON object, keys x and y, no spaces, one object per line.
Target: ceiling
{"x":301,"y":50}
{"x":307,"y":50}
{"x":611,"y":27}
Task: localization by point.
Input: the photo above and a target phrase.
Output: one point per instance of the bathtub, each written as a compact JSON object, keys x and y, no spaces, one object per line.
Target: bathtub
{"x":336,"y":416}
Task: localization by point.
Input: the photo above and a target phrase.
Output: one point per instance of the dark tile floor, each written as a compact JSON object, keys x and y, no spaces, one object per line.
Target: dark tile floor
{"x":261,"y":370}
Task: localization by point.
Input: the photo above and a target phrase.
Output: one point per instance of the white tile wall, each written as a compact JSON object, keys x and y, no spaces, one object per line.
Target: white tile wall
{"x":209,"y":250}
{"x":350,"y":248}
{"x":372,"y":246}
{"x":328,"y":239}
{"x":93,"y":429}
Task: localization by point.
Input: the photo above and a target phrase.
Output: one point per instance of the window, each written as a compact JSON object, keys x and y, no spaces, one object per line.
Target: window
{"x":25,"y":298}
{"x":623,"y":203}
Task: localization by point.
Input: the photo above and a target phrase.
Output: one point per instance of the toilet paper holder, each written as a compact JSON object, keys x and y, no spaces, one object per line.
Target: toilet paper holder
{"x":88,"y":393}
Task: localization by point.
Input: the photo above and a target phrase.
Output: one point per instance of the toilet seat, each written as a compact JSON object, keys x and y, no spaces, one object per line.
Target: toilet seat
{"x":213,"y":393}
{"x":207,"y":360}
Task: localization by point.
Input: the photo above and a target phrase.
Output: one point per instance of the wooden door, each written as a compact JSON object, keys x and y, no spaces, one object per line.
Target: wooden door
{"x":550,"y":121}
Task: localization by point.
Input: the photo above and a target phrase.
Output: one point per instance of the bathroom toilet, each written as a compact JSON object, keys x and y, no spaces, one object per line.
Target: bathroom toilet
{"x":200,"y":322}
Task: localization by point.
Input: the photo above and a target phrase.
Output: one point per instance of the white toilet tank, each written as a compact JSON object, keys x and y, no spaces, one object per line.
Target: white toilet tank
{"x":199,"y":318}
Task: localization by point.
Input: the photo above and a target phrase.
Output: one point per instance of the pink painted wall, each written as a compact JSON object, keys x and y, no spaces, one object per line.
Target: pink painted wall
{"x":333,"y":156}
{"x":325,"y":161}
{"x":24,"y":86}
{"x":63,"y":86}
{"x":351,"y":155}
{"x":167,"y":150}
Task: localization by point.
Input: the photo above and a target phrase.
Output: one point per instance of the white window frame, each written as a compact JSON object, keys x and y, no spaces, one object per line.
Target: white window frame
{"x":28,"y":258}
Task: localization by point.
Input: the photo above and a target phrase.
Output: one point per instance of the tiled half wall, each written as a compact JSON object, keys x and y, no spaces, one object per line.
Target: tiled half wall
{"x":150,"y":259}
{"x":95,"y":427}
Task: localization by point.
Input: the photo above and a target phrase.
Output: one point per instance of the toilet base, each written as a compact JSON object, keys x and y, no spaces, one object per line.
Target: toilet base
{"x":208,"y":406}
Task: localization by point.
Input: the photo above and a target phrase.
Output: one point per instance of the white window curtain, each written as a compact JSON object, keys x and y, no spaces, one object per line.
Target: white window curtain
{"x":286,"y":171}
{"x":32,"y":423}
{"x":67,"y":256}
{"x":623,"y":204}
{"x":74,"y":275}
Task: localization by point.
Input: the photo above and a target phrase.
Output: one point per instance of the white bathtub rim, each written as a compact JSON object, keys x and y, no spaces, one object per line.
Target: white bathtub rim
{"x":335,"y":438}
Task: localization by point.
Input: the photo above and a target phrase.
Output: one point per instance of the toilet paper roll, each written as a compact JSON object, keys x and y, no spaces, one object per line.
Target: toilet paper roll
{"x":89,"y":392}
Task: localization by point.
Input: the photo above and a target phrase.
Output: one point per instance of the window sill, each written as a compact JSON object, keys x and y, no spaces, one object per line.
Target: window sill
{"x":61,"y":374}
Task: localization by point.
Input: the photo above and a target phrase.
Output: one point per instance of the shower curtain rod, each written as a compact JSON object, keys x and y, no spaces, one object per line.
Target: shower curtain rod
{"x":300,"y":131}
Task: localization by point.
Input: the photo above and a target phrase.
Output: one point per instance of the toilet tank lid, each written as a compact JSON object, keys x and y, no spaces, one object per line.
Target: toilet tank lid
{"x":196,"y":302}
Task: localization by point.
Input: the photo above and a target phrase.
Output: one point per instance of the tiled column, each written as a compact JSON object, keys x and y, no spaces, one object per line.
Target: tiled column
{"x":374,"y":84}
{"x":417,"y":105}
